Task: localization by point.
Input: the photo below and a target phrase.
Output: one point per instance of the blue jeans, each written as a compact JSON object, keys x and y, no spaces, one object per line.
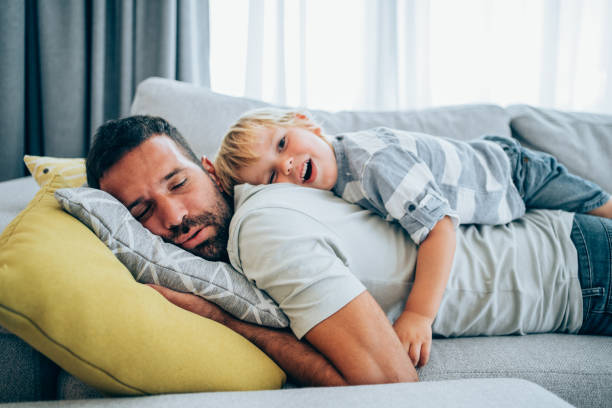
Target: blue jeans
{"x":592,"y":237}
{"x":543,"y":182}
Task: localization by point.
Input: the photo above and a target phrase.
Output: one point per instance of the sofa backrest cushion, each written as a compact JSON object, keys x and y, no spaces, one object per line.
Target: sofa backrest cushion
{"x":581,"y":141}
{"x":203,"y":116}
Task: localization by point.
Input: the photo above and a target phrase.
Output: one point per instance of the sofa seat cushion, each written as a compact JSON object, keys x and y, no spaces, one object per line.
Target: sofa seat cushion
{"x":466,"y":393}
{"x":26,"y":374}
{"x":16,"y":194}
{"x":576,"y":368}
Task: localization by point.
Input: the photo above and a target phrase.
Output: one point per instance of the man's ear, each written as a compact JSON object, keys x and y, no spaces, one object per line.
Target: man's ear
{"x":210,"y":168}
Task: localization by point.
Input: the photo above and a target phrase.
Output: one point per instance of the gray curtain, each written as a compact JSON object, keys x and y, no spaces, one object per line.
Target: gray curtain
{"x":69,"y":65}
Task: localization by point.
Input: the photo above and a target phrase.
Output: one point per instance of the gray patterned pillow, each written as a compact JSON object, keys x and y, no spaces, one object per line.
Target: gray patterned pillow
{"x":151,"y":260}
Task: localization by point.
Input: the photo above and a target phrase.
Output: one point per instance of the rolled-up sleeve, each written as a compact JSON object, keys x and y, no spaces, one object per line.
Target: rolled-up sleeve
{"x":402,"y":187}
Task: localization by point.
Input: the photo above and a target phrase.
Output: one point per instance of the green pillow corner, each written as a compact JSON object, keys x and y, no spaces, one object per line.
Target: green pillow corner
{"x":64,"y":292}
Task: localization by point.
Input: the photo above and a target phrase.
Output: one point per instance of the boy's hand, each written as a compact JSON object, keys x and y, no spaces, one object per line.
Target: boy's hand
{"x":414,"y":331}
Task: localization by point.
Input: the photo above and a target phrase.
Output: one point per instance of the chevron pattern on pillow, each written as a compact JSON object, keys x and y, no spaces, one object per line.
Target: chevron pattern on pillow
{"x":151,"y":260}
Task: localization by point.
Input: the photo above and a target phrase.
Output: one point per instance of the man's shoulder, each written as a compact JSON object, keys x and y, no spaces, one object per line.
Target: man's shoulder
{"x":270,"y":216}
{"x":249,"y":198}
{"x":282,"y":205}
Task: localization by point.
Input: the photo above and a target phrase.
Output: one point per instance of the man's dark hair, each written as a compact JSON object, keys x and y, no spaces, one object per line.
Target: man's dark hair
{"x":115,"y":138}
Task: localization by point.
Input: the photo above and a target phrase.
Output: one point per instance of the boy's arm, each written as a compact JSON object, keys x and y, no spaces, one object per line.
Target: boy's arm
{"x":434,"y":262}
{"x":302,"y":364}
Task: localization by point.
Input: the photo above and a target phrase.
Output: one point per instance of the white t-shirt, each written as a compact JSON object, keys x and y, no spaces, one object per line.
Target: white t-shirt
{"x":314,"y":252}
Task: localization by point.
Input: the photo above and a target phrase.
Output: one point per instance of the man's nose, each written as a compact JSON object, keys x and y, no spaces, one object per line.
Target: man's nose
{"x":172,"y":212}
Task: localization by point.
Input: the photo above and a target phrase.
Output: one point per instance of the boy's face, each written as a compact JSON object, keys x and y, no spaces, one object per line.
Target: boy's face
{"x":292,"y":155}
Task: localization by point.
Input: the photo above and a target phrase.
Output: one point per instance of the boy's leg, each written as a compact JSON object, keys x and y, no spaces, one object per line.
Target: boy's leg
{"x":592,"y":237}
{"x":543,"y":182}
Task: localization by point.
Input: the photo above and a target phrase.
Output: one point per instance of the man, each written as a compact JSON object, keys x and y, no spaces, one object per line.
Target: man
{"x":311,"y":252}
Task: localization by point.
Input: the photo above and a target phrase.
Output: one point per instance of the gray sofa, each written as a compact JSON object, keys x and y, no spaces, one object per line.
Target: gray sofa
{"x":532,"y":370}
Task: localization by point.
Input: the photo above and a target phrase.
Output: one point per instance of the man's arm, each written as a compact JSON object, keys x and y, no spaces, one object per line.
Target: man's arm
{"x":358,"y":339}
{"x":360,"y":342}
{"x":302,"y":364}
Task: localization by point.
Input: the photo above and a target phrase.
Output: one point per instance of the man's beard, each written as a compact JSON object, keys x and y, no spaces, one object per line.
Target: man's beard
{"x":215,"y":247}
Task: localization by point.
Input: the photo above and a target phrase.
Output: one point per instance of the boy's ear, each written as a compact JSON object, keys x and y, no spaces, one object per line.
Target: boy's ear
{"x":210,"y":169}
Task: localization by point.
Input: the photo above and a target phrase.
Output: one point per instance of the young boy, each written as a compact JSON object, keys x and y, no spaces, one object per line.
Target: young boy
{"x":428,"y":184}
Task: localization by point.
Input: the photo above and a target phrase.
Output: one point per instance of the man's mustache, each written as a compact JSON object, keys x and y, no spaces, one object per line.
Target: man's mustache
{"x":205,"y":219}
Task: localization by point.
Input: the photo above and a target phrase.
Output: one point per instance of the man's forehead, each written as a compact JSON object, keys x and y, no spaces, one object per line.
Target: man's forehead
{"x":152,"y":162}
{"x":160,"y":151}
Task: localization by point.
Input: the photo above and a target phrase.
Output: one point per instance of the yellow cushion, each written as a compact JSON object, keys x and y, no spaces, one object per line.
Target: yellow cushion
{"x":43,"y":168}
{"x":65,"y":293}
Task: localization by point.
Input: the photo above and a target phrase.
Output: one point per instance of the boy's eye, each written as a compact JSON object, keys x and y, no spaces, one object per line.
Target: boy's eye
{"x":282,"y":143}
{"x":272,"y":177}
{"x":179,"y":185}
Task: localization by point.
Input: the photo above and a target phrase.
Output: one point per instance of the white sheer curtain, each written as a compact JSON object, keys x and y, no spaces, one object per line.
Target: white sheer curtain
{"x":405,"y":54}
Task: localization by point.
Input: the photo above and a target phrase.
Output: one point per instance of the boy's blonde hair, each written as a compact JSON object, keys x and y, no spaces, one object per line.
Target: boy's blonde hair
{"x":236,"y":151}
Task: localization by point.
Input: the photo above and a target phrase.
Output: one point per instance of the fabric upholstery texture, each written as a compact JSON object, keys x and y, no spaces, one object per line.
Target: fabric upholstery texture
{"x":72,"y":300}
{"x":151,"y":260}
{"x":203,"y":116}
{"x":71,"y":388}
{"x":465,"y":393}
{"x":577,"y":368}
{"x":581,"y":141}
{"x":32,"y":375}
{"x":16,"y":194}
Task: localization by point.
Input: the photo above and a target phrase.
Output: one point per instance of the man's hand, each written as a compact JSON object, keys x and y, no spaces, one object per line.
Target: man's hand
{"x":414,"y":332}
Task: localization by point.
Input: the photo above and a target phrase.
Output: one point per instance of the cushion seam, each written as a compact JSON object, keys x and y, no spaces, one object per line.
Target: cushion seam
{"x":52,"y":340}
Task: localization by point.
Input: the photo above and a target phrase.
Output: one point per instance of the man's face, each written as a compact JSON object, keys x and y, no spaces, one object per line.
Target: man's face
{"x":172,"y":197}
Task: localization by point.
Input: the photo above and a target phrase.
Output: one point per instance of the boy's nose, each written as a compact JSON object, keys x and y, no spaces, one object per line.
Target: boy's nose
{"x":288,"y":166}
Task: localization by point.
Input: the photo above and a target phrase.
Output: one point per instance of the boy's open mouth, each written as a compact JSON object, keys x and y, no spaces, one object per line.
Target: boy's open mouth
{"x":307,"y":171}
